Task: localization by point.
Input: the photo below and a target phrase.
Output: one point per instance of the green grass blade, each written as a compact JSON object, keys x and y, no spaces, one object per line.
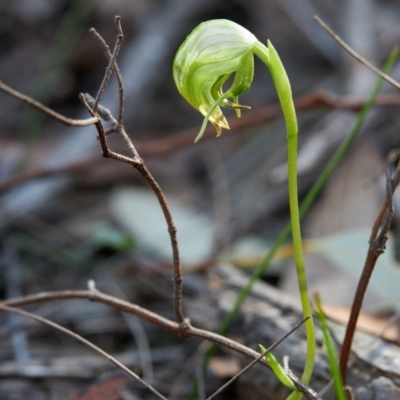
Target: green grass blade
{"x":330,"y":352}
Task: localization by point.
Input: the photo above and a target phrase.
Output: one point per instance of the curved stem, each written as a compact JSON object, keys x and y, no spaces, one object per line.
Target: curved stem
{"x":271,"y":59}
{"x":141,"y":167}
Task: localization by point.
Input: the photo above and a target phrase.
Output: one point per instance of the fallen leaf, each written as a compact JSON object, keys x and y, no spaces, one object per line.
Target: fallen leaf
{"x":366,"y":322}
{"x":224,"y":367}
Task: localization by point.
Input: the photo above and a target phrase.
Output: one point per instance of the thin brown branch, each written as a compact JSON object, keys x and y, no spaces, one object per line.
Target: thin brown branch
{"x":356,"y":55}
{"x":84,"y":341}
{"x":136,"y":161}
{"x":125,"y":306}
{"x":138,"y":164}
{"x":121,"y":106}
{"x":377,"y":243}
{"x":45,"y":110}
{"x":125,"y":159}
{"x":118,"y":75}
{"x":99,"y":126}
{"x":111,"y":65}
{"x":173,"y":237}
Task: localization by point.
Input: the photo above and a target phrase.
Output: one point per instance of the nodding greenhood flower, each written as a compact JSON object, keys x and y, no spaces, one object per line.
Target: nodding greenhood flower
{"x":207,"y":58}
{"x":214,"y":51}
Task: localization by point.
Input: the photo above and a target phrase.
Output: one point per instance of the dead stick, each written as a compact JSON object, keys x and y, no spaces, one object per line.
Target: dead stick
{"x":125,"y":306}
{"x":377,"y":243}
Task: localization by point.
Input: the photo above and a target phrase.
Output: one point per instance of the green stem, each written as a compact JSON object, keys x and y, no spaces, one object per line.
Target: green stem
{"x":270,"y":57}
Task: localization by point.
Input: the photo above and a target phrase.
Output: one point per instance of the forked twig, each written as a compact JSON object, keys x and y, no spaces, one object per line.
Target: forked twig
{"x":118,"y":75}
{"x":137,"y":163}
{"x":356,"y":55}
{"x":112,"y":62}
{"x":106,"y":115}
{"x":84,"y":341}
{"x":93,"y":107}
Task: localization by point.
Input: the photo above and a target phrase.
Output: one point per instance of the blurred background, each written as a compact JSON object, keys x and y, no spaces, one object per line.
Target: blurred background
{"x":68,"y":215}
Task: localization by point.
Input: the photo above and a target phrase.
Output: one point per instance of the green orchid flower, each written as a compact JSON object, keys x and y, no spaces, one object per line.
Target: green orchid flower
{"x":207,"y":58}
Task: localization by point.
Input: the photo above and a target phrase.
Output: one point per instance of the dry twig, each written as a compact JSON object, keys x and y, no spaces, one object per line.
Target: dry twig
{"x":377,"y":243}
{"x":45,"y":110}
{"x":125,"y":306}
{"x":135,"y":161}
{"x":112,"y":62}
{"x":356,"y":55}
{"x":109,"y":55}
